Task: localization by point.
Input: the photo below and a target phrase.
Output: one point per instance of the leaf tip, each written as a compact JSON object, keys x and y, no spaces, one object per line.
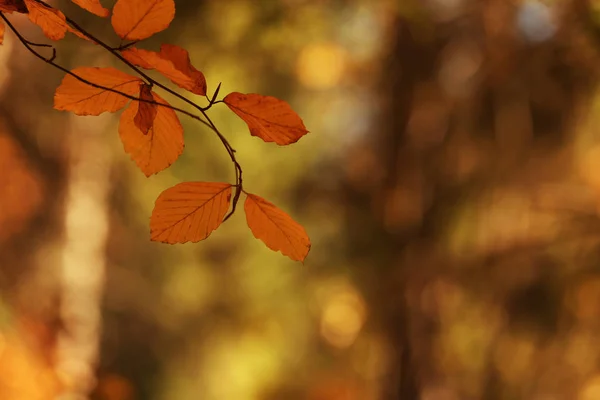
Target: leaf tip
{"x":276,"y":229}
{"x":267,"y":117}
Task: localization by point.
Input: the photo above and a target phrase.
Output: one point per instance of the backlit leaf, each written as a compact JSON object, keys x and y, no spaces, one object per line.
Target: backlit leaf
{"x":270,"y":119}
{"x":142,"y":58}
{"x":93,"y":6}
{"x":9,"y":6}
{"x":83,"y":99}
{"x":192,"y":80}
{"x":79,"y":34}
{"x":140,"y":19}
{"x":173,"y":62}
{"x":189,"y":211}
{"x":160,"y":146}
{"x":51,"y":20}
{"x":275,"y":228}
{"x":144,"y":119}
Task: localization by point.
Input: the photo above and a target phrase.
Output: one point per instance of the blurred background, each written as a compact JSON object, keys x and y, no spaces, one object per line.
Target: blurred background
{"x":450,"y":185}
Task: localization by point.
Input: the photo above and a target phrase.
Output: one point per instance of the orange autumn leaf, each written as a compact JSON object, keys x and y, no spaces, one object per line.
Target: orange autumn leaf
{"x":160,"y":146}
{"x":9,"y":6}
{"x":142,"y":58}
{"x":140,"y":19}
{"x":173,"y":62}
{"x":144,"y":118}
{"x":192,"y":80}
{"x":51,"y":20}
{"x":270,"y":119}
{"x":93,"y":6}
{"x":79,"y":34}
{"x":275,"y":228}
{"x":2,"y":29}
{"x":83,"y":99}
{"x":189,"y":211}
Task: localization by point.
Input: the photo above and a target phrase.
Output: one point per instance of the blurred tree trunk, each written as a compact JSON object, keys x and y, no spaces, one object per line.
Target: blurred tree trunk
{"x":32,"y":183}
{"x":440,"y":151}
{"x":54,"y":184}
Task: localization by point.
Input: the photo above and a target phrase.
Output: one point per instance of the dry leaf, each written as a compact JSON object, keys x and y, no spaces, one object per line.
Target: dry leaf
{"x":142,"y":58}
{"x":173,"y":62}
{"x":140,"y":19}
{"x":275,"y":228}
{"x":79,"y":34}
{"x":160,"y":146}
{"x":189,"y":211}
{"x":9,"y":6}
{"x":193,"y":80}
{"x":144,"y":119}
{"x":51,"y":20}
{"x":93,"y":6}
{"x":83,"y":99}
{"x":270,"y":119}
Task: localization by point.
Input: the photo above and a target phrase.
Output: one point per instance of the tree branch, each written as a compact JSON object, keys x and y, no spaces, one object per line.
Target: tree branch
{"x":116,"y":53}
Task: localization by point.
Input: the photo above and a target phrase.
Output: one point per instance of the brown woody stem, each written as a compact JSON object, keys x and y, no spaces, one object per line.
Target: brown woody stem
{"x":29,"y":46}
{"x":116,"y":53}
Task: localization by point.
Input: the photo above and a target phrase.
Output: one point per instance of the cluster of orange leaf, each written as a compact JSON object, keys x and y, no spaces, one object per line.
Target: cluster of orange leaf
{"x":150,"y":128}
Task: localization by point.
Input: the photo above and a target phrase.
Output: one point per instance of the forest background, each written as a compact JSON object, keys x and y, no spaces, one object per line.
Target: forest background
{"x":450,"y":185}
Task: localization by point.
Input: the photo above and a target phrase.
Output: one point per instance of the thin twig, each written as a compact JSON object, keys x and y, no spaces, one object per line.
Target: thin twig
{"x":29,"y":46}
{"x":125,"y":61}
{"x":39,"y":44}
{"x":222,"y":138}
{"x":239,"y":187}
{"x":116,"y":52}
{"x":124,"y":46}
